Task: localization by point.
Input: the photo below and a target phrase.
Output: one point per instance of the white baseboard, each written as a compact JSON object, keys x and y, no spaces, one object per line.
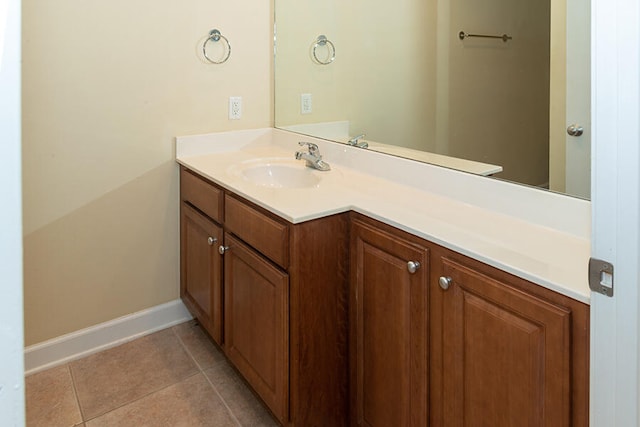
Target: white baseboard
{"x":100,"y":337}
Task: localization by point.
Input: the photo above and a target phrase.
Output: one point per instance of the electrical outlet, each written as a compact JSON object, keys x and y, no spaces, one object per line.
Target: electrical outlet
{"x":306,"y":105}
{"x":235,"y":107}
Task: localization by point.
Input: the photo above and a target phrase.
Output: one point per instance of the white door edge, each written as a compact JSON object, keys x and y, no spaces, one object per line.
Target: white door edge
{"x":615,"y":210}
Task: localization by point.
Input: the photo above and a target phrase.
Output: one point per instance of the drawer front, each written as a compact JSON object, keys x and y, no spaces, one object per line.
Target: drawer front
{"x":267,"y":235}
{"x":202,"y":194}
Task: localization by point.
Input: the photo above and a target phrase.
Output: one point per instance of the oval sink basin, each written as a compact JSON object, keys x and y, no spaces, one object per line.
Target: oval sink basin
{"x":279,"y":173}
{"x":281,"y":176}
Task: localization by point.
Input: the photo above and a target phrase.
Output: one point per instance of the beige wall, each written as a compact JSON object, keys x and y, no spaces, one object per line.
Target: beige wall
{"x":367,"y":38}
{"x":499,"y":92}
{"x":403,"y":77}
{"x":107,"y":85}
{"x":298,"y":26}
{"x":394,"y":49}
{"x":557,"y":96}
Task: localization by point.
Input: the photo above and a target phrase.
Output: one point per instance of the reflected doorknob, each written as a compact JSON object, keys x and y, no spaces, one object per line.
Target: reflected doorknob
{"x":575,"y":130}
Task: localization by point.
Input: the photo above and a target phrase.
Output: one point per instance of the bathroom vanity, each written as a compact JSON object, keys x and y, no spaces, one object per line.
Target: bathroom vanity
{"x":283,"y":290}
{"x":456,"y":342}
{"x":350,"y":299}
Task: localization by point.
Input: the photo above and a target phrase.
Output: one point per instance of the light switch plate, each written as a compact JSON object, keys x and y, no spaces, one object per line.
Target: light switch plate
{"x":306,"y":103}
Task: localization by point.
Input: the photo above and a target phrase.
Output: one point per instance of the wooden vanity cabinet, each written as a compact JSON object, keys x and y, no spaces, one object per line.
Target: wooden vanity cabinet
{"x":319,"y":324}
{"x":504,"y":351}
{"x":463,"y":345}
{"x":201,"y":265}
{"x":284,"y":294}
{"x":389,"y":333}
{"x":286,"y":311}
{"x":256,"y":291}
{"x":345,"y":319}
{"x":257,"y":323}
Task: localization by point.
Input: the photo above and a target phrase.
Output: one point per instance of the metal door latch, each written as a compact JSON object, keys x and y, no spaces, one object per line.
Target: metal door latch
{"x":601,"y":276}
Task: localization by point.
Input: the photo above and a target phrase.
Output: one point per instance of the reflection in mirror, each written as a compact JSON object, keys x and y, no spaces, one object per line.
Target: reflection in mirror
{"x":419,"y":81}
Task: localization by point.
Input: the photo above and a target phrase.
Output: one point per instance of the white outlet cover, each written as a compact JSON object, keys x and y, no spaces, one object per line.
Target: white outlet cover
{"x":235,"y":107}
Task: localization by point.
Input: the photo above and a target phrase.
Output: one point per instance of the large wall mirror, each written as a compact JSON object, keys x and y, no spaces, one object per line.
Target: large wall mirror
{"x":493,"y":87}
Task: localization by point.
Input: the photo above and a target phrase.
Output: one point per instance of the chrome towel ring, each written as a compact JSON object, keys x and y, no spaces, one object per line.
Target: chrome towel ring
{"x":324,"y":41}
{"x":215,"y":36}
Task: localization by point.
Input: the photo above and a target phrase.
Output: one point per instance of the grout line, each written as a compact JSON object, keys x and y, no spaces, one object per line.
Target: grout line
{"x":184,"y":346}
{"x":215,"y":389}
{"x":200,"y":371}
{"x":142,"y":397}
{"x":75,"y":392}
{"x":84,"y":420}
{"x":224,"y":402}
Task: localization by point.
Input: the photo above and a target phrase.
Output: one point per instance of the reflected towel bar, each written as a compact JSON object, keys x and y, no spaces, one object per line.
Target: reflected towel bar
{"x":462,"y":35}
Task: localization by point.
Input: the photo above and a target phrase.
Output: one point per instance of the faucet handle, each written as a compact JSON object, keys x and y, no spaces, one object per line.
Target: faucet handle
{"x":354,"y":140}
{"x":313,"y":157}
{"x":313,"y":148}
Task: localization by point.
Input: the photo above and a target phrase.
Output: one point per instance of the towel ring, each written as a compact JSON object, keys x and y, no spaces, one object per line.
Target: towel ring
{"x":323,"y":41}
{"x":215,"y":36}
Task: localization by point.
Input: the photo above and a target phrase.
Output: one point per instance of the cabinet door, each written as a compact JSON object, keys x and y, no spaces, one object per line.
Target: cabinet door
{"x":505,"y":354}
{"x":201,"y":270}
{"x":257,"y":323}
{"x":388,"y":329}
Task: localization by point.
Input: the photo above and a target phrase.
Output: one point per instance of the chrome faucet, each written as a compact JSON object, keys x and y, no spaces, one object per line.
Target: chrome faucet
{"x":354,"y":141}
{"x":312,"y":156}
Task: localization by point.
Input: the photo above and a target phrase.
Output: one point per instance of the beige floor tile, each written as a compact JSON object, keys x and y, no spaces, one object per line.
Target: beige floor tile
{"x":50,"y":399}
{"x":114,"y":377}
{"x":246,"y":407}
{"x":199,"y":344}
{"x":190,"y":403}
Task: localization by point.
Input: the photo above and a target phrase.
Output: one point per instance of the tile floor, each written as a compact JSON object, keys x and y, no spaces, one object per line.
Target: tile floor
{"x":175,"y":377}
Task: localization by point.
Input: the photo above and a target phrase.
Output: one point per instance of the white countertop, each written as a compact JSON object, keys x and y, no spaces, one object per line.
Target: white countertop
{"x":539,"y":236}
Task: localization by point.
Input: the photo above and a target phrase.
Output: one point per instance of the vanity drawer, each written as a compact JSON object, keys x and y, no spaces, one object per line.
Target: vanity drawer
{"x":202,"y":194}
{"x":265,"y":234}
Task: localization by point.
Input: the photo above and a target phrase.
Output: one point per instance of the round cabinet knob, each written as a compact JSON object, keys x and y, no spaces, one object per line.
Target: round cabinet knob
{"x":444,"y":282}
{"x":575,"y":130}
{"x":211,"y":241}
{"x":223,"y":249}
{"x":413,"y":266}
